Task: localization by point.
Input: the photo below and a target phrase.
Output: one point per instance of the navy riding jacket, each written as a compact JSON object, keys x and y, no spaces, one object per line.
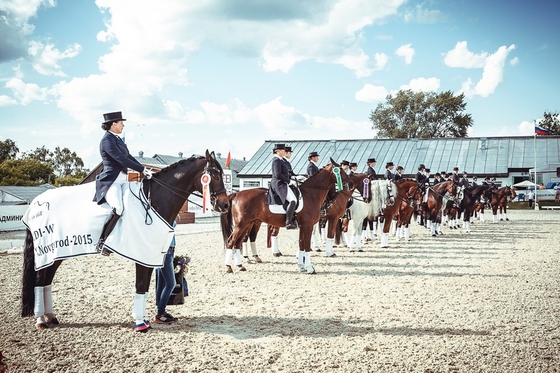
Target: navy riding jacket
{"x":116,"y":159}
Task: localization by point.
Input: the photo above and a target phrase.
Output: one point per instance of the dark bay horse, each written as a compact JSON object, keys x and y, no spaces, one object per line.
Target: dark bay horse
{"x":249,"y":208}
{"x":168,"y":191}
{"x":500,"y":198}
{"x":408,"y":198}
{"x":433,"y":206}
{"x":468,"y":204}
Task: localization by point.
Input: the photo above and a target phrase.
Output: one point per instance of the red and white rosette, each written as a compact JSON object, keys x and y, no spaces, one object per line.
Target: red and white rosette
{"x":205,"y":181}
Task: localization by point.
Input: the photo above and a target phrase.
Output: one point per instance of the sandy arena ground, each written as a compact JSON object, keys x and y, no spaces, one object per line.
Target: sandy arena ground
{"x":487,"y":301}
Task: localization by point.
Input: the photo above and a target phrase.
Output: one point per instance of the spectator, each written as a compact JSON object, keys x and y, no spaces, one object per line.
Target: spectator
{"x":557,"y":192}
{"x":531,"y":197}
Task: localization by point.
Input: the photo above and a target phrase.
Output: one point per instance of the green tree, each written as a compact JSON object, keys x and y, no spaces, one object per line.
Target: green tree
{"x":25,"y":172}
{"x":64,"y":162}
{"x":551,"y":122}
{"x":8,"y":150}
{"x":411,"y":114}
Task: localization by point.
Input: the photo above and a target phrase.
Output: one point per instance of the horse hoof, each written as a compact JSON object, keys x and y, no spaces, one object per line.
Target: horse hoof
{"x":318,"y":250}
{"x":333,"y":255}
{"x":310,"y":270}
{"x":42,"y":326}
{"x":360,"y":251}
{"x":434,"y":235}
{"x":257,"y":259}
{"x":301,"y":268}
{"x":229,"y":269}
{"x":241,"y":268}
{"x":507,"y":219}
{"x":277,"y":254}
{"x":53,"y":322}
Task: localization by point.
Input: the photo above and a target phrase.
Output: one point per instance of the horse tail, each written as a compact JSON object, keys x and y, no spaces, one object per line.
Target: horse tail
{"x":338,"y":232}
{"x":28,"y":278}
{"x":226,"y":222}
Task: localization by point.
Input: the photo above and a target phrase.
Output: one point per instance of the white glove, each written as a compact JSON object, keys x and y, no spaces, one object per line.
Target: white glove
{"x":301,"y":178}
{"x":148,"y":173}
{"x":293,"y":182}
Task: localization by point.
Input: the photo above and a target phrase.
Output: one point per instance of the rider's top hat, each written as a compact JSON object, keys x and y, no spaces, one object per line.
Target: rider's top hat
{"x":371,"y":160}
{"x":288,"y":149}
{"x":455,"y":168}
{"x":427,"y":170}
{"x":345,"y":163}
{"x":313,"y":154}
{"x":353,"y":164}
{"x":421,"y":167}
{"x":279,"y":147}
{"x":400,"y":168}
{"x":389,"y":164}
{"x":112,"y":117}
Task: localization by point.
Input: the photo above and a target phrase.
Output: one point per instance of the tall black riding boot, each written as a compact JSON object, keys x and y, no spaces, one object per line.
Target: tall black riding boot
{"x":107,"y":229}
{"x":290,"y":215}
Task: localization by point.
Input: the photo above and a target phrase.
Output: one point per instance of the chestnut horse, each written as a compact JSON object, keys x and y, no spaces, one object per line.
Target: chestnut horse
{"x":408,"y":197}
{"x":500,"y":199}
{"x":332,"y":210}
{"x":168,"y":190}
{"x":433,"y":206}
{"x":249,"y":208}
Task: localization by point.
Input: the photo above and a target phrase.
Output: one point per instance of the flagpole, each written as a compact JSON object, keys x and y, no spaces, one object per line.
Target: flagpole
{"x":535,"y":146}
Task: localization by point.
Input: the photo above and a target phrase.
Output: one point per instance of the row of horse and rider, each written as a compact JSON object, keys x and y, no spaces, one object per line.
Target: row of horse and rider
{"x":364,"y":199}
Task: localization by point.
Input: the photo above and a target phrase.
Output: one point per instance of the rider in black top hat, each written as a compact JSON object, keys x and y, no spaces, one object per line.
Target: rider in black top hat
{"x":281,"y":179}
{"x":116,"y":162}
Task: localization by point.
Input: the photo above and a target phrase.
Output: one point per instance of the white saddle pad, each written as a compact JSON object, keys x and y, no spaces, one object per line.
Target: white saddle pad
{"x":279,"y":209}
{"x":65,"y":223}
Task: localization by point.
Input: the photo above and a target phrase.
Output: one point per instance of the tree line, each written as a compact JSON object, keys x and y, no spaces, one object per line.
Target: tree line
{"x":60,"y":167}
{"x":409,"y":114}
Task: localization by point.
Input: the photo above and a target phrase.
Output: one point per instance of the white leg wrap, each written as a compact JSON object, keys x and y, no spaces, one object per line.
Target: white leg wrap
{"x":237,"y":256}
{"x":229,"y":255}
{"x":495,"y":218}
{"x":300,"y":257}
{"x":467,"y":226}
{"x":407,"y":233}
{"x":47,"y":298}
{"x":314,"y":244}
{"x":433,"y":229}
{"x":274,"y":244}
{"x":245,"y":249}
{"x":345,"y":240}
{"x":374,"y":228}
{"x":139,"y":307}
{"x":384,"y":239}
{"x":329,"y":247}
{"x":393,"y":227}
{"x":307,"y":258}
{"x":39,"y":306}
{"x":254,"y":248}
{"x":481,"y":216}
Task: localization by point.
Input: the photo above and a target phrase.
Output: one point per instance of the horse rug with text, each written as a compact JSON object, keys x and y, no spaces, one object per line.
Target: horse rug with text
{"x":66,"y":223}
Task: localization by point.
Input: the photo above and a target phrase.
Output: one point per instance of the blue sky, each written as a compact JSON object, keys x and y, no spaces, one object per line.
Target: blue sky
{"x":227,"y":75}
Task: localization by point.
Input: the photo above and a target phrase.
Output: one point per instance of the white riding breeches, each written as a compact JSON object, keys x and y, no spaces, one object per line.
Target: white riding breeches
{"x":114,"y":196}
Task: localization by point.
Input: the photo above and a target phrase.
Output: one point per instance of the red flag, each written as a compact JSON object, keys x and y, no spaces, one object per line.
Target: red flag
{"x":228,"y":160}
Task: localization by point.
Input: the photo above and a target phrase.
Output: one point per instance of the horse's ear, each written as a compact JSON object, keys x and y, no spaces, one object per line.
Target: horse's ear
{"x":334,"y":163}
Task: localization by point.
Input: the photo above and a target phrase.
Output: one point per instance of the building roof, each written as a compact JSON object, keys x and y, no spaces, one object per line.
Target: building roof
{"x":24,"y":193}
{"x":476,"y":155}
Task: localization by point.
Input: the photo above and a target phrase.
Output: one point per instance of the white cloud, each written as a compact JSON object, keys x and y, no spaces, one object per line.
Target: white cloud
{"x":371,"y":93}
{"x":421,"y":15}
{"x":7,"y":101}
{"x":526,"y":128}
{"x":514,"y":61}
{"x":422,"y":85}
{"x":492,"y":65}
{"x":46,"y":57}
{"x":407,"y":52}
{"x":24,"y":93}
{"x":460,"y":56}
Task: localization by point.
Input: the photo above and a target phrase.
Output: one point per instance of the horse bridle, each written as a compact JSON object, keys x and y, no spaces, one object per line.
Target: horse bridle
{"x":210,"y":170}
